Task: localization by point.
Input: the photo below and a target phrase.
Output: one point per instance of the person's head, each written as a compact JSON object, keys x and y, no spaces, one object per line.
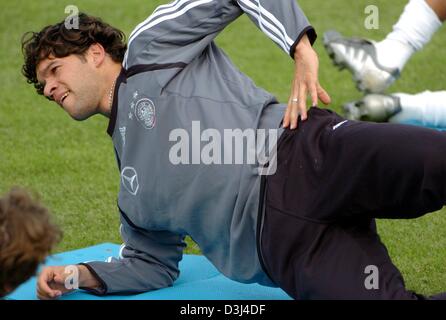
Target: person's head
{"x":72,"y":66}
{"x":27,"y":236}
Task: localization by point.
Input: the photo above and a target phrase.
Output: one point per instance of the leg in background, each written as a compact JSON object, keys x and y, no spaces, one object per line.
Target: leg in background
{"x":439,"y":6}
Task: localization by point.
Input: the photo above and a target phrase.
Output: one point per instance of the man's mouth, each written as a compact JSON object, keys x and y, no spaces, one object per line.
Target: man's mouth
{"x":63,"y":97}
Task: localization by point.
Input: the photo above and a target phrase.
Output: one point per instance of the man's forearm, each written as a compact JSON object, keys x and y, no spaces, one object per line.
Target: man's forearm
{"x":439,"y":7}
{"x":87,"y":279}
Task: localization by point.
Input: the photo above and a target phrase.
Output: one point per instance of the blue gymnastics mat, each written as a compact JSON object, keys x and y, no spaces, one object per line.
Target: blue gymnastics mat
{"x":199,"y":280}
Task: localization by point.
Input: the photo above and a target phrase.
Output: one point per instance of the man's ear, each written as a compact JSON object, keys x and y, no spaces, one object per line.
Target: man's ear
{"x":97,"y":54}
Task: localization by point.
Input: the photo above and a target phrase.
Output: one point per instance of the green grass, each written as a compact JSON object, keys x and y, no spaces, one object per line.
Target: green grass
{"x":72,"y":166}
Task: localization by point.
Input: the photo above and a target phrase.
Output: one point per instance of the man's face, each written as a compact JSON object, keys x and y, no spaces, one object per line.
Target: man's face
{"x":72,"y":82}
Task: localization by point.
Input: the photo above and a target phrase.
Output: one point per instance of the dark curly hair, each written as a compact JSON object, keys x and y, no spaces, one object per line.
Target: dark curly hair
{"x":27,"y":236}
{"x":58,"y":41}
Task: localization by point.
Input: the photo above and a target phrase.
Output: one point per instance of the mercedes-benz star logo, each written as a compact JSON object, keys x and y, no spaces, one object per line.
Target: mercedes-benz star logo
{"x":129,"y":179}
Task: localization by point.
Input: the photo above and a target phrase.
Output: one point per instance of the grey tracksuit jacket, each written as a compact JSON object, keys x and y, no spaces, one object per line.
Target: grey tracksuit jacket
{"x":173,"y":74}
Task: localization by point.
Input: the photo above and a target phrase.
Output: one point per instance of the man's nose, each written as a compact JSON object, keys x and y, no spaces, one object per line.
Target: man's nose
{"x":50,"y":88}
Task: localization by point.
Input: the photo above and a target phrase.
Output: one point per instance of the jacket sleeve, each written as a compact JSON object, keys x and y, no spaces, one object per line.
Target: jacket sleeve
{"x":148,"y":260}
{"x":283,"y":21}
{"x":179,"y":31}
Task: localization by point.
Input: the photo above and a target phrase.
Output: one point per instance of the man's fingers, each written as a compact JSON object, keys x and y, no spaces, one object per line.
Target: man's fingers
{"x":298,"y":106}
{"x":314,"y":95}
{"x":43,"y":284}
{"x":58,"y":279}
{"x":48,"y":294}
{"x":302,"y":105}
{"x":323,"y":95}
{"x":288,"y":113}
{"x":286,"y":118}
{"x":45,"y":277}
{"x":294,"y":113}
{"x":43,"y":295}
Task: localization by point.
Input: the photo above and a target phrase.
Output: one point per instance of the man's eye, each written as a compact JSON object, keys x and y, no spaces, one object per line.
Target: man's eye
{"x":54,"y":70}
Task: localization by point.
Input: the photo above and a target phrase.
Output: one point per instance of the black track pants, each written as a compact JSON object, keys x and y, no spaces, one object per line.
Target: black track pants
{"x":333,"y":178}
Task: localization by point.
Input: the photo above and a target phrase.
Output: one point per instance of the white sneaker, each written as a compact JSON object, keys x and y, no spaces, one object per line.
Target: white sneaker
{"x":360,"y":57}
{"x":373,"y":107}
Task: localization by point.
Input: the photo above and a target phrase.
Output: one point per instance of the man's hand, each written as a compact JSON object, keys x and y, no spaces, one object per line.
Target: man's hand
{"x":52,"y":281}
{"x":305,"y":83}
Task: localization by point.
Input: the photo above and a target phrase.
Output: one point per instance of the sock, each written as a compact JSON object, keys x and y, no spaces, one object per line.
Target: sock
{"x":414,"y":29}
{"x":426,"y":109}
